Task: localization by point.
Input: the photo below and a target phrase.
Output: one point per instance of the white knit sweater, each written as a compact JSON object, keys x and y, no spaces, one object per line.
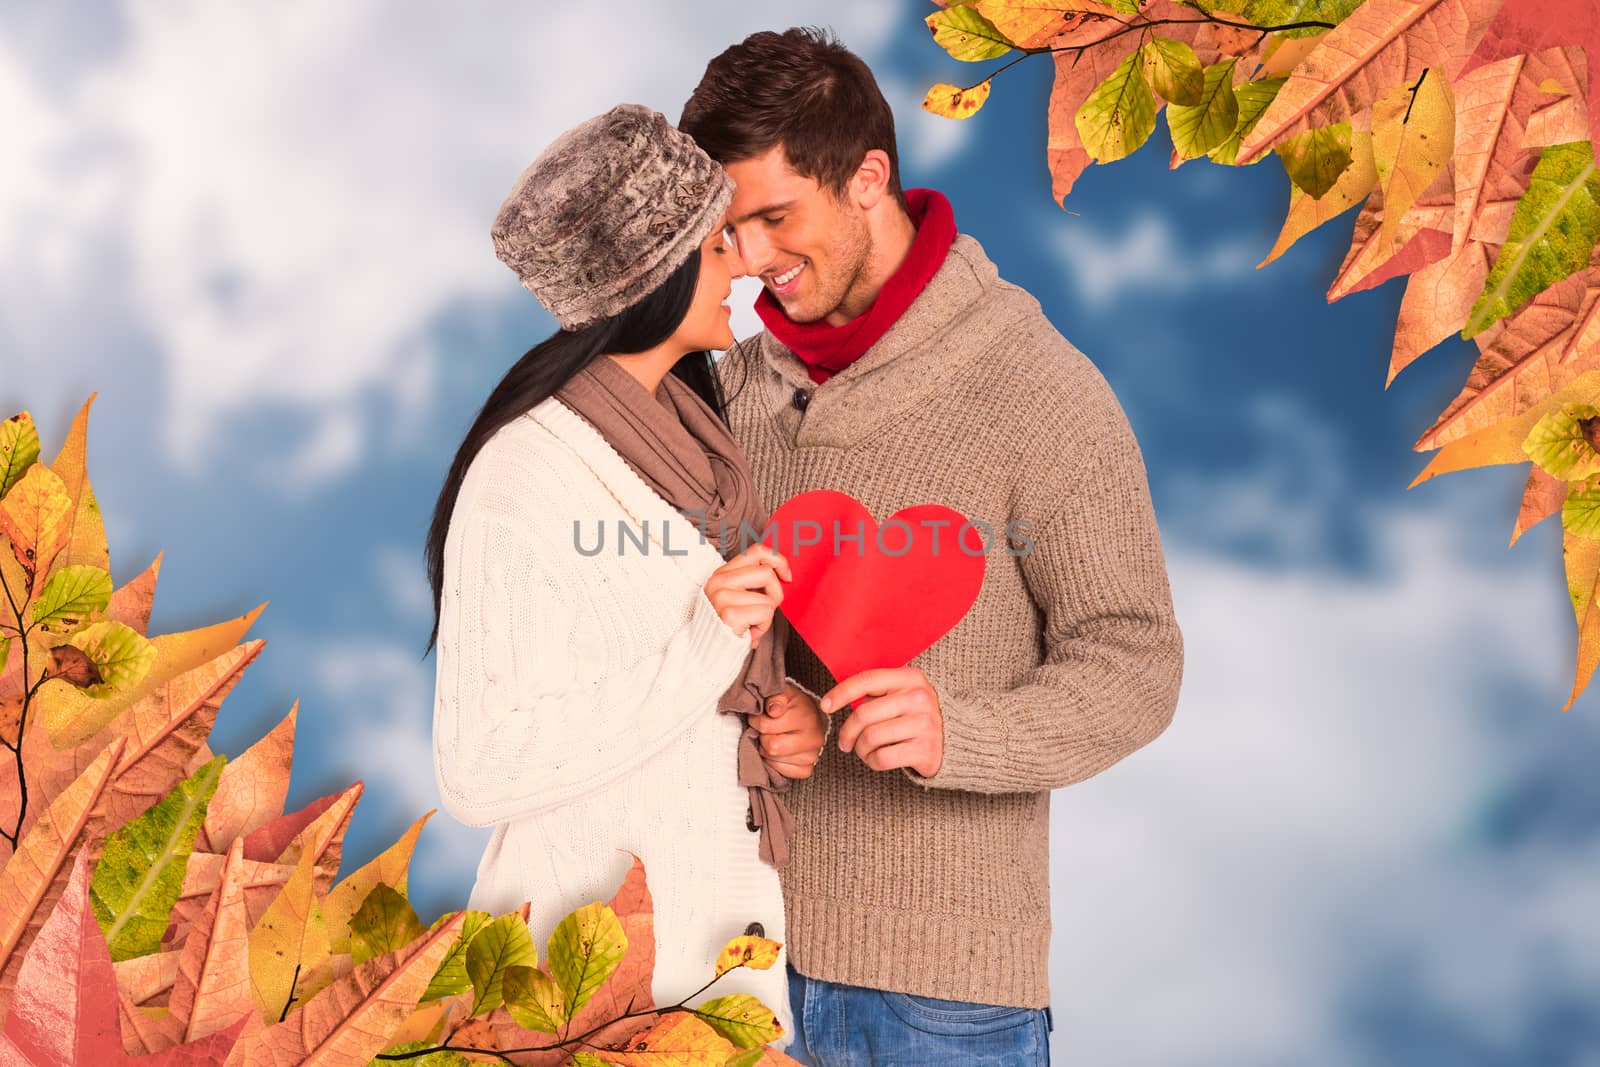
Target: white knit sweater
{"x":575,"y":710}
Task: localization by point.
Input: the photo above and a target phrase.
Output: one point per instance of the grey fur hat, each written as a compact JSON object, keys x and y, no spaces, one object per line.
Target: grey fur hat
{"x":607,"y":212}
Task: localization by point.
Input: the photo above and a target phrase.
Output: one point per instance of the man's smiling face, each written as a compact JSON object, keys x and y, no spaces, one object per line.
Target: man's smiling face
{"x":808,"y":248}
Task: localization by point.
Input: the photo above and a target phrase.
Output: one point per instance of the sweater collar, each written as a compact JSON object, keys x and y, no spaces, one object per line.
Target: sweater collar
{"x":927,"y":347}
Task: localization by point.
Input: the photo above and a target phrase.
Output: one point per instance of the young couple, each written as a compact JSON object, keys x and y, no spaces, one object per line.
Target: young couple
{"x":890,"y":828}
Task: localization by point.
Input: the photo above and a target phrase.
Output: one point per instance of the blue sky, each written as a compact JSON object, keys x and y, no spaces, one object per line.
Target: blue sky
{"x":1370,"y":835}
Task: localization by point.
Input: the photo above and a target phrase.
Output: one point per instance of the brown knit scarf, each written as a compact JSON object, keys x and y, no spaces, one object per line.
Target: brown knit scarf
{"x":683,"y":451}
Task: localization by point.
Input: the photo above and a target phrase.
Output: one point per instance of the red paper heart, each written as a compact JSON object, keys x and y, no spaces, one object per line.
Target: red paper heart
{"x":874,"y":605}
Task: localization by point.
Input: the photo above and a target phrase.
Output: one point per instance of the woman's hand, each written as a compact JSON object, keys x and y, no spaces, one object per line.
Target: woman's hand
{"x":746,"y":590}
{"x":793,"y":731}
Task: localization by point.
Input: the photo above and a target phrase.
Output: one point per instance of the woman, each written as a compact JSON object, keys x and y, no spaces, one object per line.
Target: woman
{"x":605,"y":639}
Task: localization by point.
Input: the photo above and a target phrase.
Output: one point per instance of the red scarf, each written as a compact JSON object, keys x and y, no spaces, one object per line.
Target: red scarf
{"x":826,"y":349}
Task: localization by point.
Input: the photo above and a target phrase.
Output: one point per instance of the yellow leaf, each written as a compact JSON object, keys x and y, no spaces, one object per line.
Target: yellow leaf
{"x":390,"y":867}
{"x":70,"y":717}
{"x":290,"y":960}
{"x":1306,"y":213}
{"x":1413,"y":134}
{"x":953,"y":102}
{"x":679,"y":1040}
{"x":36,"y":517}
{"x":758,"y":953}
{"x":1035,"y":23}
{"x":1502,"y":441}
{"x":86,"y":542}
{"x":1582,"y":557}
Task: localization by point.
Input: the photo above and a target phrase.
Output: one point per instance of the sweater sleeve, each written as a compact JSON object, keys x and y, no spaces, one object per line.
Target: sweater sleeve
{"x":521,"y":721}
{"x":1113,"y":654}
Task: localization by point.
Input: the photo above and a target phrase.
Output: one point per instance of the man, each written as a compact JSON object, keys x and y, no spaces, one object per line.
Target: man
{"x":898,"y":367}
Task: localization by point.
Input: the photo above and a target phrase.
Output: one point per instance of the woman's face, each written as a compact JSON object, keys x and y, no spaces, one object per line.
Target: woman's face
{"x":707,"y":325}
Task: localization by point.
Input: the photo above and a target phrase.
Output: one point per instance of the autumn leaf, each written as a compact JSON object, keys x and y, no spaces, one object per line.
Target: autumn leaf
{"x":323,"y":837}
{"x":677,"y":1039}
{"x":534,"y":1000}
{"x":1437,"y":299}
{"x":1553,"y":234}
{"x":36,"y":518}
{"x":140,"y":872}
{"x":348,"y":1022}
{"x":1120,"y":114}
{"x":451,"y":977}
{"x":1501,"y":441}
{"x":19,"y":449}
{"x":1413,"y":135}
{"x":289,"y":956}
{"x":1582,"y":558}
{"x":86,"y":531}
{"x":35,"y":875}
{"x":1306,"y":213}
{"x":1197,"y":130}
{"x":131,"y":603}
{"x":584,"y":951}
{"x":1315,"y":159}
{"x":1550,"y":342}
{"x":966,"y":34}
{"x":71,"y":716}
{"x":1252,"y":99}
{"x":1174,"y":72}
{"x":1039,"y":23}
{"x":1580,"y":514}
{"x":1383,"y":43}
{"x":742,"y":1019}
{"x":213,"y":988}
{"x":120,"y":654}
{"x":66,"y":1003}
{"x":1563,"y":442}
{"x":503,"y":943}
{"x":953,"y":102}
{"x":1529,"y":27}
{"x":1541,"y":498}
{"x":70,"y":596}
{"x":757,"y":953}
{"x":252,"y":790}
{"x":390,"y":866}
{"x":382,"y":924}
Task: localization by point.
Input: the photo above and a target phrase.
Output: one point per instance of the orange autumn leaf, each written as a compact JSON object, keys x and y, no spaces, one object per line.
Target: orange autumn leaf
{"x":289,"y":957}
{"x":1436,"y":303}
{"x":390,"y":867}
{"x":36,"y":874}
{"x":1306,"y":213}
{"x":1501,"y":442}
{"x":1542,"y":497}
{"x":253,"y":788}
{"x":1382,"y":44}
{"x":349,"y":1021}
{"x":71,"y":717}
{"x":678,"y":1040}
{"x":131,"y":604}
{"x":86,"y":530}
{"x":1582,"y":558}
{"x":1549,"y":342}
{"x":212,"y":990}
{"x":35,"y":518}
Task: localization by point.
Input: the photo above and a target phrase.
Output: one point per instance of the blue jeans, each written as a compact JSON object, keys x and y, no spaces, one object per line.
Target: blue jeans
{"x":839,"y":1025}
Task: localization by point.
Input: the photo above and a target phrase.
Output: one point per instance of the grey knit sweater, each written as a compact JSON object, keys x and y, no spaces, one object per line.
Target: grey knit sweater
{"x":1069,"y":660}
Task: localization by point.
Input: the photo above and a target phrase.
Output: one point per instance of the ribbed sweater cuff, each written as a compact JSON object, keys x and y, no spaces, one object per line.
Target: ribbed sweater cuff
{"x":974,"y":748}
{"x":919,"y":952}
{"x":712,"y":642}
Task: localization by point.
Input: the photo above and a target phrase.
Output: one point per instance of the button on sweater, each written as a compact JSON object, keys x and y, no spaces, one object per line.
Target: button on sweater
{"x":575,"y":704}
{"x":1069,"y":661}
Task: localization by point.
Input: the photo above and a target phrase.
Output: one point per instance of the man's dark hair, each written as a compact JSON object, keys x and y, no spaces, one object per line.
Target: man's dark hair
{"x":803,"y":90}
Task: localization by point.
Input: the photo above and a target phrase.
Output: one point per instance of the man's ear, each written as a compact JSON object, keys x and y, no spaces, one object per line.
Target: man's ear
{"x":871,"y":182}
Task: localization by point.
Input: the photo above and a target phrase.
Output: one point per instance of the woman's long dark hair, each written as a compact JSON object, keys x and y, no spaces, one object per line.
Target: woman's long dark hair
{"x":549,"y":365}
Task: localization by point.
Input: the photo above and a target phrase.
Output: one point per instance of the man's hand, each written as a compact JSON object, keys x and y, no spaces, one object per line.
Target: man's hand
{"x":898,"y":724}
{"x":792,"y":732}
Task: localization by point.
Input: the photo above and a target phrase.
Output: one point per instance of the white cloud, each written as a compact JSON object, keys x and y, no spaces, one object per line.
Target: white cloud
{"x":1147,"y":258}
{"x":1217,"y":895}
{"x":404,"y":580}
{"x":301,"y":190}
